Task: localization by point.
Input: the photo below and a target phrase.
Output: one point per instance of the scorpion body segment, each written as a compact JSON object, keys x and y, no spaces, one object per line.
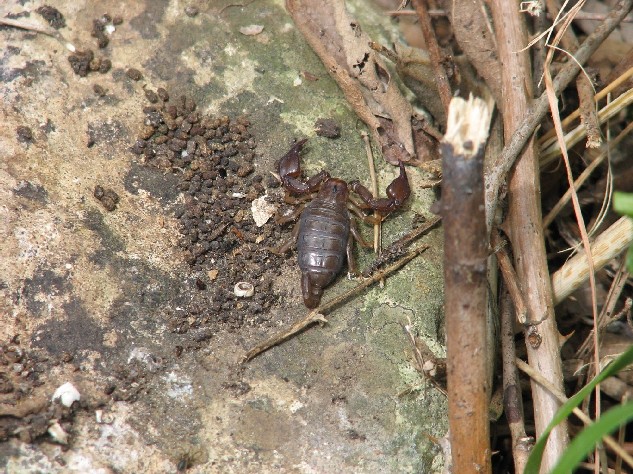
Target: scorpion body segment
{"x":323,"y":236}
{"x":325,"y":224}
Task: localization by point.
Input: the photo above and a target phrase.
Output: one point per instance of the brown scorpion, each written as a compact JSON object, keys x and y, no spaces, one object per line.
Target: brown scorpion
{"x":325,"y":224}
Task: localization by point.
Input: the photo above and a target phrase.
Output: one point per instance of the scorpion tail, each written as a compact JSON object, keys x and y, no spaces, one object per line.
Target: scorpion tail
{"x":311,"y":293}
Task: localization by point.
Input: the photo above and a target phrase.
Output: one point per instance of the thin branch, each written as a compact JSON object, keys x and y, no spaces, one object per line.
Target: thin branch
{"x":435,"y":53}
{"x":588,"y":114}
{"x":510,"y":278}
{"x":512,"y":398}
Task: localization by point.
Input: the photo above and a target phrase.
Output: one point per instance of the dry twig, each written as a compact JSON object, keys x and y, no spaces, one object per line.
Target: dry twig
{"x":512,"y":398}
{"x":317,"y":314}
{"x":466,"y":284}
{"x":510,"y":277}
{"x":441,"y":79}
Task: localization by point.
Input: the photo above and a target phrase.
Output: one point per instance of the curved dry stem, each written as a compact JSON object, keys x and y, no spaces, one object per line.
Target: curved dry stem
{"x":611,"y":243}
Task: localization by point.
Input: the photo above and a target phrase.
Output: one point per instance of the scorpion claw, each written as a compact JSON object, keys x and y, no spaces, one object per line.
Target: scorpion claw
{"x":290,"y":172}
{"x":397,"y":193}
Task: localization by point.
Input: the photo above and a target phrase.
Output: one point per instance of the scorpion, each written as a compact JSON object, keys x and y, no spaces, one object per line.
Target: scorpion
{"x":323,"y":231}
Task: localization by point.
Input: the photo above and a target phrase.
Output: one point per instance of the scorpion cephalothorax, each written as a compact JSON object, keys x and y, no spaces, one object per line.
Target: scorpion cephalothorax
{"x":325,"y":224}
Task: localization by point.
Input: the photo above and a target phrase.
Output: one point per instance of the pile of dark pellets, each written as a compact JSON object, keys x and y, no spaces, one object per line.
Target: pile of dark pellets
{"x":213,"y":160}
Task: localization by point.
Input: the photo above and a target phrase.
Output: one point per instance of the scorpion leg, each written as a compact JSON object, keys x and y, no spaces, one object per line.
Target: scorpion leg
{"x":290,"y":217}
{"x":290,"y":172}
{"x":353,"y":229}
{"x":352,"y":266}
{"x":397,"y":193}
{"x":283,"y":248}
{"x":355,"y":208}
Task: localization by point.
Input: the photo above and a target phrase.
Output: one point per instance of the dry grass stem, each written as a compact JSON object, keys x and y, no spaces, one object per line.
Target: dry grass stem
{"x":551,"y":215}
{"x":549,"y":138}
{"x":585,"y":89}
{"x":374,"y":190}
{"x":608,"y":245}
{"x":553,"y":103}
{"x":553,"y":150}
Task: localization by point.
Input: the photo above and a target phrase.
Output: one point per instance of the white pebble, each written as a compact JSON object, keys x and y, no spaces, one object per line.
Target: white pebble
{"x":57,"y":433}
{"x":244,"y":289}
{"x":262,"y":210}
{"x":67,"y":394}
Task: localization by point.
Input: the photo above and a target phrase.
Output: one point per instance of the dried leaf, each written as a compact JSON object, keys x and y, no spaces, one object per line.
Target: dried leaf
{"x":342,"y":45}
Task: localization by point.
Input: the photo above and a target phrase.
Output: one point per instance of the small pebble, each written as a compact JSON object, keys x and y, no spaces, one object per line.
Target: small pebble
{"x":328,"y":128}
{"x":134,"y":74}
{"x":25,"y":134}
{"x":151,"y":96}
{"x":191,"y":11}
{"x":244,"y":289}
{"x":106,"y":65}
{"x":107,"y":197}
{"x":163,"y":94}
{"x":100,"y":91}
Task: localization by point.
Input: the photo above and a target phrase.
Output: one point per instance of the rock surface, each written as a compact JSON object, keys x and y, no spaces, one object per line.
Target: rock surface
{"x":103,"y":296}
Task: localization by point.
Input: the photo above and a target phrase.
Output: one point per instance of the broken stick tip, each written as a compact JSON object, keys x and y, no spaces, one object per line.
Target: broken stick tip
{"x":468,"y":124}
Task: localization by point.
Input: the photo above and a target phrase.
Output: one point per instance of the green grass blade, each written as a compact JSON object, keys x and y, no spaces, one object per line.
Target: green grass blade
{"x":586,"y":440}
{"x":534,"y":461}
